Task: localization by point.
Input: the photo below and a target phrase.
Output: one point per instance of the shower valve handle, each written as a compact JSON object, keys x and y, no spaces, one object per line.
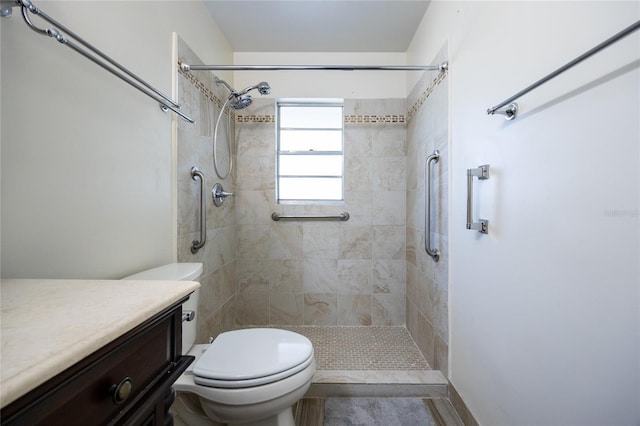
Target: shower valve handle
{"x":219,"y":194}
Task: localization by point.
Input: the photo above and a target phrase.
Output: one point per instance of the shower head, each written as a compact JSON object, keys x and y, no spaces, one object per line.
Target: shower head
{"x":240,"y":101}
{"x":263,"y":87}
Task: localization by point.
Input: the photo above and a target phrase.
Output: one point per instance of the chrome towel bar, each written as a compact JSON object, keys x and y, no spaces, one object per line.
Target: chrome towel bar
{"x":196,"y":245}
{"x":512,"y":108}
{"x":482,"y":173}
{"x":63,"y":34}
{"x":342,"y":216}
{"x":433,"y":158}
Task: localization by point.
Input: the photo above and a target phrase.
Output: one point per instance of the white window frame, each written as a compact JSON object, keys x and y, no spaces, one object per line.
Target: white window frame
{"x":302,"y":103}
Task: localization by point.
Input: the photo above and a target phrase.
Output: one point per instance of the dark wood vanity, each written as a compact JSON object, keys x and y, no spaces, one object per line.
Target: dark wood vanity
{"x":126,"y":382}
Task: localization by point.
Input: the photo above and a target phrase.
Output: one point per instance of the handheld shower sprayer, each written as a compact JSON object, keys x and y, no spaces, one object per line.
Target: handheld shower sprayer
{"x":236,"y":100}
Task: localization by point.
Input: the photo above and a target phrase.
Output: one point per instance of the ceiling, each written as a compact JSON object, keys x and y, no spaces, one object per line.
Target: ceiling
{"x":318,"y":25}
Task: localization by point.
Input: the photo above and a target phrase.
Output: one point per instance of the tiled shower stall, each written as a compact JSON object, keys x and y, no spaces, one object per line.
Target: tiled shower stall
{"x":369,"y":271}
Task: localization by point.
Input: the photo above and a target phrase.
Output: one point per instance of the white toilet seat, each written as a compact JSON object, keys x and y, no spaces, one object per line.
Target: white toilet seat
{"x":242,"y":396}
{"x":252,"y":357}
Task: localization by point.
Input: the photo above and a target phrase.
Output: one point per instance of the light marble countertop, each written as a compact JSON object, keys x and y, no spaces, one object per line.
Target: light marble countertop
{"x":47,"y":326}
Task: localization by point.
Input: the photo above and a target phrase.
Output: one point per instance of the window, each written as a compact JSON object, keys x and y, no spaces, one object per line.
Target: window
{"x":310,"y":156}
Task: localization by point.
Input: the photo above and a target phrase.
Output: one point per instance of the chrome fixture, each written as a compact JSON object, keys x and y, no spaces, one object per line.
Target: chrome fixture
{"x":441,"y":67}
{"x":236,"y":100}
{"x":482,"y":173}
{"x":433,"y":158}
{"x":64,"y":36}
{"x":219,"y":194}
{"x":196,"y":245}
{"x":512,"y":108}
{"x":344,"y":216}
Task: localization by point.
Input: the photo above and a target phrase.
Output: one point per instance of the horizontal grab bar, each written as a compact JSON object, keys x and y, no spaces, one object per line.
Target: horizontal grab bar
{"x":342,"y":216}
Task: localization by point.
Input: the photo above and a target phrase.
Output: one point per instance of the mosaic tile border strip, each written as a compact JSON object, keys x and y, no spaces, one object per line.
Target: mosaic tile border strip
{"x":255,"y":119}
{"x":202,"y":88}
{"x":427,"y":92}
{"x":373,"y":119}
{"x":348,"y":119}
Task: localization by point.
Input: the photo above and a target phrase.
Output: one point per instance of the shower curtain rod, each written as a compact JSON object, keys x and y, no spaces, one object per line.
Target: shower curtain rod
{"x":64,"y":35}
{"x":186,"y":67}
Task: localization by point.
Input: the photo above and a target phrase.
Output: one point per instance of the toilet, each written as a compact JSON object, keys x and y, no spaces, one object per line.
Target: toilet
{"x":246,"y":377}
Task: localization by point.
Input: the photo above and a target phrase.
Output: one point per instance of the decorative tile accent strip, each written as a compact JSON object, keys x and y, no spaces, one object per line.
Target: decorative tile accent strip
{"x":372,"y":119}
{"x":441,"y":76}
{"x":348,"y":119}
{"x":255,"y":119}
{"x":208,"y":93}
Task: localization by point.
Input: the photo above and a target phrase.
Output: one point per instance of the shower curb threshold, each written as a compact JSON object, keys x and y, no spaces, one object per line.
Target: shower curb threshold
{"x":378,"y":383}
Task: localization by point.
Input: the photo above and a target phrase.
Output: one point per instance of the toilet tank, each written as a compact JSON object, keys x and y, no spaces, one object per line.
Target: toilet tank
{"x":178,"y":272}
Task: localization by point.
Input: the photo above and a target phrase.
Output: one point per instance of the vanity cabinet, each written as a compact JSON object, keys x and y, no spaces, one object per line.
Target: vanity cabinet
{"x":126,"y":382}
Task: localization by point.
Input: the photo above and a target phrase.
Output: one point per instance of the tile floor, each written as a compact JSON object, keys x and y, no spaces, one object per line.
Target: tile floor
{"x":380,"y":412}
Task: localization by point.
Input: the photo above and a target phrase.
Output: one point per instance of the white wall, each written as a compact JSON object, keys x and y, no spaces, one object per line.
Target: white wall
{"x":325,"y":84}
{"x":544,"y":310}
{"x":86,"y":159}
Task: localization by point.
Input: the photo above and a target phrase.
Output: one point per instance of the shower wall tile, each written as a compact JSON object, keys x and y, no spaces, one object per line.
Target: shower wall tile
{"x":389,"y":276}
{"x":253,"y":276}
{"x":285,"y":241}
{"x":359,"y":205}
{"x":252,"y":309}
{"x":286,"y":309}
{"x":320,"y":240}
{"x":388,"y":309}
{"x":320,"y":276}
{"x":254,"y":207}
{"x":389,"y":242}
{"x":356,"y":242}
{"x":389,"y":208}
{"x":320,"y":309}
{"x":354,"y":309}
{"x":427,"y":280}
{"x":325,"y":272}
{"x":388,"y":173}
{"x":216,"y":310}
{"x":286,"y":275}
{"x":354,"y":276}
{"x":253,"y":241}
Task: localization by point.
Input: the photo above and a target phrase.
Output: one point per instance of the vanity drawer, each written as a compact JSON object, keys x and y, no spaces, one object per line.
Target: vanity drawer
{"x":111,"y":384}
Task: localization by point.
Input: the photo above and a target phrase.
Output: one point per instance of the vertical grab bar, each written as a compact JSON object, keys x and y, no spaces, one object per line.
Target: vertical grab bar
{"x":196,"y":245}
{"x":434,"y":253}
{"x":482,"y":172}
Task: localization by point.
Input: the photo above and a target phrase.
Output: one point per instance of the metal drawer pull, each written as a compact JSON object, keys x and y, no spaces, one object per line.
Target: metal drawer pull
{"x":122,"y":390}
{"x":195,"y":244}
{"x":434,"y":253}
{"x":482,"y":173}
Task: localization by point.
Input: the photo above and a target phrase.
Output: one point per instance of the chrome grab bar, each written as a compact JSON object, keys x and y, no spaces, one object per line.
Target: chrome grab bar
{"x":342,"y":216}
{"x":434,"y":253}
{"x":195,"y":244}
{"x":482,"y":173}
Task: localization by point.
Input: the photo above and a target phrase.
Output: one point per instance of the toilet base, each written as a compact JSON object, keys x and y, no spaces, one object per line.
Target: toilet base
{"x":187,"y":411}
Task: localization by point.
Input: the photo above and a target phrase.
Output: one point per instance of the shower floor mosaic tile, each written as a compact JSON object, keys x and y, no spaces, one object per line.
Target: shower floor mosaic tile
{"x":363,"y":348}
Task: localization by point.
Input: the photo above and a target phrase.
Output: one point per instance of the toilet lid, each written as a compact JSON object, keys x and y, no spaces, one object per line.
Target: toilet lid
{"x":252,"y":357}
